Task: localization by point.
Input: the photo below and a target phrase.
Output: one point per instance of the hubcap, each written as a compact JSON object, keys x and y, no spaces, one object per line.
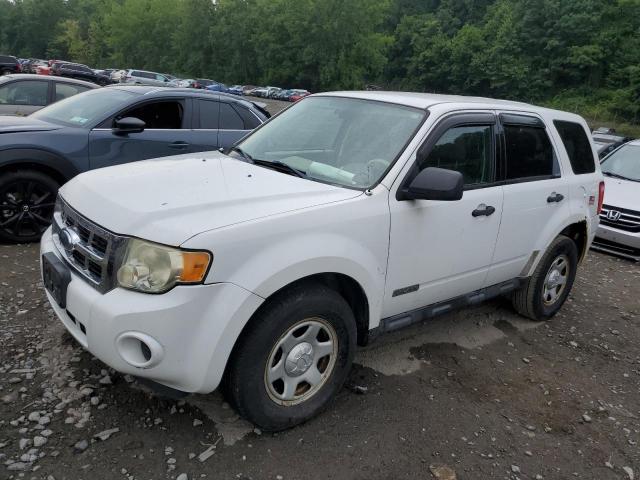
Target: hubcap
{"x":301,"y":361}
{"x":556,"y":280}
{"x":26,"y":208}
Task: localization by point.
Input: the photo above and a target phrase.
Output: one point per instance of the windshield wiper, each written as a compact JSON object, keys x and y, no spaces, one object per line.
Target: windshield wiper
{"x":281,"y":166}
{"x":622,"y":177}
{"x":242,"y":153}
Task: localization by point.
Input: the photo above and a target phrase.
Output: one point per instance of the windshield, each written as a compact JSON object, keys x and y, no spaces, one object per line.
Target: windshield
{"x":344,"y":141}
{"x":85,"y":109}
{"x":623,"y":163}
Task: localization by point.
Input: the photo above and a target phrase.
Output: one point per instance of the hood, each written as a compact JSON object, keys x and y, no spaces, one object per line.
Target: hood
{"x":169,"y":200}
{"x":622,"y":193}
{"x":14,"y":124}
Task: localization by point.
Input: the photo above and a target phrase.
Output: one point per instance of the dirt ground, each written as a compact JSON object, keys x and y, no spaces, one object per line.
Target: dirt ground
{"x":479,"y":392}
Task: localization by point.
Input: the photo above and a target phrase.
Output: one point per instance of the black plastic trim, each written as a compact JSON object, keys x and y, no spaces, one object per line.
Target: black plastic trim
{"x":521,"y":119}
{"x":418,"y":315}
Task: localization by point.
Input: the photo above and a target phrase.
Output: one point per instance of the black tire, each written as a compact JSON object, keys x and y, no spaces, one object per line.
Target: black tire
{"x":246,"y":385}
{"x":27,"y":199}
{"x":531,"y":300}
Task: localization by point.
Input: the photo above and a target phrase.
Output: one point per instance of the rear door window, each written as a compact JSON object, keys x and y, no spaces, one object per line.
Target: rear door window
{"x":249,"y":119}
{"x":529,"y":153}
{"x":577,"y":145}
{"x":65,"y":90}
{"x":209,"y":112}
{"x":229,"y":118}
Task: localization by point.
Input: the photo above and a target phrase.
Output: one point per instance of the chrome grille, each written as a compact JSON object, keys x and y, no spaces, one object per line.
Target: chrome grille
{"x":89,"y":249}
{"x":624,"y":219}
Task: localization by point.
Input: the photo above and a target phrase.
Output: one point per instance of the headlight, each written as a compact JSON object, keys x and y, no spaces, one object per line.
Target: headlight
{"x":149,"y":267}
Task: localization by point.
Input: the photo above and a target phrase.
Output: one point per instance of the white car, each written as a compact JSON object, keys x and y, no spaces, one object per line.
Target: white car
{"x":619,"y":230}
{"x":348,"y":215}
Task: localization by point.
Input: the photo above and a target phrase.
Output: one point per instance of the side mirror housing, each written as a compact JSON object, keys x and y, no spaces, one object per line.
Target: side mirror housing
{"x":434,"y":184}
{"x":128,"y":125}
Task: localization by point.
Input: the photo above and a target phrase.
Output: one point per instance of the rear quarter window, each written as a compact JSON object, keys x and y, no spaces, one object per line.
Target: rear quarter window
{"x":577,"y":145}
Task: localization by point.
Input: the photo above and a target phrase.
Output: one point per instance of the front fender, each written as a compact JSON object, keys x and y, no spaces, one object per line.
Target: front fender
{"x":15,"y":157}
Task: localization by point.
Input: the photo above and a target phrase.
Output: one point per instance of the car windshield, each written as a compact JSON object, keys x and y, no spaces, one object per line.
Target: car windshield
{"x":343,"y":141}
{"x":85,"y":109}
{"x":623,"y":163}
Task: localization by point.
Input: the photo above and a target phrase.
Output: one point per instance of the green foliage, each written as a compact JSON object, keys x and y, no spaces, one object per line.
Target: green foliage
{"x":583,"y":55}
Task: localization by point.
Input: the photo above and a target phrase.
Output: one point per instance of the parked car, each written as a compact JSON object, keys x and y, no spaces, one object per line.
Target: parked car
{"x":117,"y":76}
{"x":248,"y":89}
{"x":79,"y":72}
{"x":258,"y":92}
{"x":272,"y":92}
{"x":236,"y":90}
{"x":23,"y":94}
{"x":619,"y":230}
{"x":31,"y":65}
{"x":188,"y":83}
{"x":142,"y":77}
{"x":9,"y":64}
{"x":607,"y":140}
{"x":298,"y":95}
{"x":103,"y":127}
{"x":346,"y":216}
{"x":217,"y":87}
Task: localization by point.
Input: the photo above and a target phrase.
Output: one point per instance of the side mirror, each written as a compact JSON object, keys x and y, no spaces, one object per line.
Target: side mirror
{"x":434,"y":184}
{"x":128,"y":125}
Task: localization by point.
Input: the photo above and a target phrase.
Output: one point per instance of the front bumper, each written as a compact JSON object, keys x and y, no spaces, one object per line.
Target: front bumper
{"x":189,"y":331}
{"x":618,"y":242}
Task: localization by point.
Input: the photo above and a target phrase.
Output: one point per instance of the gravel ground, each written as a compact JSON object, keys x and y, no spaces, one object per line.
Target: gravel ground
{"x":480,"y":392}
{"x":476,"y":394}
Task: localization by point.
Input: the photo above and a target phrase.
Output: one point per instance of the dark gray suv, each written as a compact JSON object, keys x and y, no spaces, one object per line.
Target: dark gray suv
{"x":105,"y":127}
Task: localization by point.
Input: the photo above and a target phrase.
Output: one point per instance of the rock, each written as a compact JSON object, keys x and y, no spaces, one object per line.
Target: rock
{"x":95,"y":401}
{"x":208,"y":453}
{"x":586,"y":418}
{"x":526,"y":360}
{"x":17,"y":466}
{"x":39,"y":441}
{"x":182,"y":476}
{"x":10,"y":397}
{"x":197,"y":423}
{"x":442,"y":472}
{"x":629,"y":472}
{"x":34,"y":416}
{"x":106,"y":380}
{"x":515,"y":469}
{"x":24,"y":443}
{"x":46,"y":433}
{"x":14,"y":380}
{"x":104,"y":435}
{"x":171,"y":461}
{"x":81,"y":446}
{"x":44,"y":420}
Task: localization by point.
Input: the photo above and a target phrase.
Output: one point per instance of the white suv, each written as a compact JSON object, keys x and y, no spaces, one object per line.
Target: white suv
{"x":348,"y":215}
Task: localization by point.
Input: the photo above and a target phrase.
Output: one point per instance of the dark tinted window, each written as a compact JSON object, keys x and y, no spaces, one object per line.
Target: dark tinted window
{"x":529,"y":152}
{"x":575,"y":141}
{"x":159,"y":115}
{"x":209,"y":111}
{"x":250,"y":120}
{"x":229,"y":118}
{"x":466,"y":149}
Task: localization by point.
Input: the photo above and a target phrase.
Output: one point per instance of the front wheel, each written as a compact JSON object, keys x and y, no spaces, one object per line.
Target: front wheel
{"x":546,"y":290}
{"x":27,"y":199}
{"x":294,"y":357}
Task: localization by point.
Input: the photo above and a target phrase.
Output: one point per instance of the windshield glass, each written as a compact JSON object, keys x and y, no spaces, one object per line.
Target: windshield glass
{"x":85,"y":109}
{"x":624,"y":163}
{"x":344,"y":141}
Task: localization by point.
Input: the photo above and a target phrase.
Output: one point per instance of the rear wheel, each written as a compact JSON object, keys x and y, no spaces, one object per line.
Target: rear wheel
{"x":293,"y":359}
{"x":27,"y":199}
{"x":546,"y":290}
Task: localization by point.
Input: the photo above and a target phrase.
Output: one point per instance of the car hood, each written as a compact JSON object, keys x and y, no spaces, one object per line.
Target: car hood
{"x":622,"y":193}
{"x":15,"y":124}
{"x":169,"y":200}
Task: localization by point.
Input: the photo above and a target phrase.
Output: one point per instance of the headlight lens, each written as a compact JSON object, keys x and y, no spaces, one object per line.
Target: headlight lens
{"x":152,"y":268}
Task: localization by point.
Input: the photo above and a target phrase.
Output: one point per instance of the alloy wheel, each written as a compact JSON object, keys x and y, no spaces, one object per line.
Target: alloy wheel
{"x":26,"y":208}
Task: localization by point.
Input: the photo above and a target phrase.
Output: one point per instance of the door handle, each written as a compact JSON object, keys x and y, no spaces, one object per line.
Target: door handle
{"x":178,"y":145}
{"x":483,"y":210}
{"x":555,"y":198}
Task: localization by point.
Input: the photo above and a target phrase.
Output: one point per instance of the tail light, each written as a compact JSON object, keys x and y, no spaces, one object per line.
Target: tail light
{"x":600,"y":197}
{"x":19,"y":68}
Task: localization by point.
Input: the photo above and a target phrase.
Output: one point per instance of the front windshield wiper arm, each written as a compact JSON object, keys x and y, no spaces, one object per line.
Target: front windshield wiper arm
{"x":242,"y":153}
{"x":622,"y":177}
{"x":278,"y":165}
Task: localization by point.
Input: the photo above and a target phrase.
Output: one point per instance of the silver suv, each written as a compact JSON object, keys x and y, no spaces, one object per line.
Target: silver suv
{"x":142,"y":77}
{"x":619,"y":230}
